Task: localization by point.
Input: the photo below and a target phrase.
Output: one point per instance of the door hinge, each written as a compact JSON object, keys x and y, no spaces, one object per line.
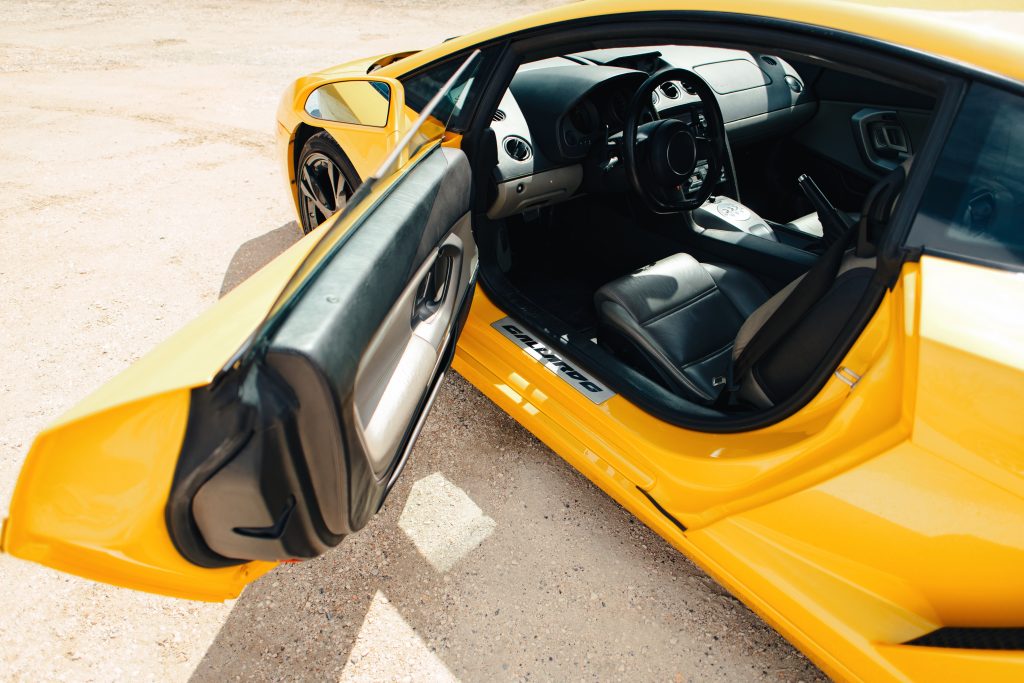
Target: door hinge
{"x":848,"y":376}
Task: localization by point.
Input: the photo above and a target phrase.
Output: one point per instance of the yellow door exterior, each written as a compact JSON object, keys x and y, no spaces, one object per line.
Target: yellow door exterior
{"x":91,"y":496}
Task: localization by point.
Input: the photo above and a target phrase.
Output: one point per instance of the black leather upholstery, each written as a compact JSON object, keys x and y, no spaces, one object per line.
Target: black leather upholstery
{"x":679,"y":318}
{"x":786,"y":367}
{"x":699,"y":325}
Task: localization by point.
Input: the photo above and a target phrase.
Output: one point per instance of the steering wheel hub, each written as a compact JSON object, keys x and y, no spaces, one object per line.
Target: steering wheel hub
{"x":681,"y":154}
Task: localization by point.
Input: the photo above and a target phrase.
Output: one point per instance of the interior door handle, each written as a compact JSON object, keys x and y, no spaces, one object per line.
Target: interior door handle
{"x":434,"y":287}
{"x":881,"y":138}
{"x":435,"y":306}
{"x":889,"y":137}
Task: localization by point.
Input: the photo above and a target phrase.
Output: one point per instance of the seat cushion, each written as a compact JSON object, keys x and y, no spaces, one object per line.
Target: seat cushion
{"x":679,"y":319}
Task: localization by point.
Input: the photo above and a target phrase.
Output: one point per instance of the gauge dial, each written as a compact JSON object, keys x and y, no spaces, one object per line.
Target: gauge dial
{"x":583,"y":118}
{"x":580,"y":126}
{"x":619,"y":101}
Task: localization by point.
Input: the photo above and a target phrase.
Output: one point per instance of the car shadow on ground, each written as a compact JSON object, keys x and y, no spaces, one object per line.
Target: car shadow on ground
{"x":258,"y":252}
{"x":493,"y":559}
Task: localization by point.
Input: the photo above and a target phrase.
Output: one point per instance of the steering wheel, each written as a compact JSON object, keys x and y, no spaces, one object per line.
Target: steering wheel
{"x":661,"y":155}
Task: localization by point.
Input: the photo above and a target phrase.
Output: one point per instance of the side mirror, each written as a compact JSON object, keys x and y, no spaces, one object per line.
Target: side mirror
{"x":363,"y":101}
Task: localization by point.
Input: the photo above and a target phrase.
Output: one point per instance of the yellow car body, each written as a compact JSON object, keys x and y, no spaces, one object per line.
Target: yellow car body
{"x":889,"y":507}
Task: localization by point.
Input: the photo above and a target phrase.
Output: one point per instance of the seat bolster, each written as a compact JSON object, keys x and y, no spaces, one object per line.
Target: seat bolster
{"x":659,"y":288}
{"x":756,"y":320}
{"x":647,"y":312}
{"x":743,"y":290}
{"x":617,"y":317}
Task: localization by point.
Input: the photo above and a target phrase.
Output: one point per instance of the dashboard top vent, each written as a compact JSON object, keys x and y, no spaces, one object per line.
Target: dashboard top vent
{"x":518,"y":148}
{"x":499,"y":115}
{"x":671,"y":90}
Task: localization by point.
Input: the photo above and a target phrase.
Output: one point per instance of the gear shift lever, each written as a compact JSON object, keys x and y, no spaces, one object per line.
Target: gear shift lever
{"x":833,"y":224}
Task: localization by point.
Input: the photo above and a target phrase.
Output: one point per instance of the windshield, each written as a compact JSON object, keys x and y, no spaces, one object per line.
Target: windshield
{"x":425,"y":132}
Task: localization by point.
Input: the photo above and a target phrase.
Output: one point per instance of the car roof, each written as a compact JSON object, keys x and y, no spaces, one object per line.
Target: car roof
{"x":986,"y":34}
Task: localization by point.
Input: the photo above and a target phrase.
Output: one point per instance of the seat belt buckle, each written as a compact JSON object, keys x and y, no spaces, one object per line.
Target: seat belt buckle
{"x":848,"y":376}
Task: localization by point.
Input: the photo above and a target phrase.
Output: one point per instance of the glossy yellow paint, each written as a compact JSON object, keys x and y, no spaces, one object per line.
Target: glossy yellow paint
{"x":700,"y":477}
{"x":872,"y":516}
{"x":91,"y":495}
{"x":928,"y":533}
{"x":365,"y":146}
{"x":91,"y":501}
{"x":983,"y":33}
{"x":852,"y":526}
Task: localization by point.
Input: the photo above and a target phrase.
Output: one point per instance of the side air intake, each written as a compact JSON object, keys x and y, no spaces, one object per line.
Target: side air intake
{"x":966,"y":638}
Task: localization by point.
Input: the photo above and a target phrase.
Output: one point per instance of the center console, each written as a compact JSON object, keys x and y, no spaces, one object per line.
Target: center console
{"x":725,"y":229}
{"x":723,"y":213}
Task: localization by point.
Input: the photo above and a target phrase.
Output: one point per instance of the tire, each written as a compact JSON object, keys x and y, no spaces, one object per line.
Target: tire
{"x":325,"y":180}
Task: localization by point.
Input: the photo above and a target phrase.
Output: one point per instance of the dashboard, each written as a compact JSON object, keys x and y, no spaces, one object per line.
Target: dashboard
{"x":557,"y":112}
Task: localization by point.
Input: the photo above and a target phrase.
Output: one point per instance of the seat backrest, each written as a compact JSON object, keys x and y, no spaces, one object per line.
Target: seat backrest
{"x":779,"y":346}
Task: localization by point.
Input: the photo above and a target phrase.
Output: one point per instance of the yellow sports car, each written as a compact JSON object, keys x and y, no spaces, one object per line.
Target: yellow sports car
{"x":754,"y":268}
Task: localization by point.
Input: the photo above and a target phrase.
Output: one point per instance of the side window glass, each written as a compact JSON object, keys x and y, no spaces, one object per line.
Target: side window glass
{"x":974,"y":203}
{"x":455,"y":107}
{"x":364,"y":103}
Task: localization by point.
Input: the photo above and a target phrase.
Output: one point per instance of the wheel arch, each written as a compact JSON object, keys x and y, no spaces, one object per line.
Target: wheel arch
{"x":303,"y":132}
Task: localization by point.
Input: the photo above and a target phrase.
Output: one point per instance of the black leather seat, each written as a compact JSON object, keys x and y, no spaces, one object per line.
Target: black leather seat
{"x":678,"y":319}
{"x":706,"y":328}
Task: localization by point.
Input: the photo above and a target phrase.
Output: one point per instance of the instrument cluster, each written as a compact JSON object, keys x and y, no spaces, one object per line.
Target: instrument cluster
{"x":593,"y":118}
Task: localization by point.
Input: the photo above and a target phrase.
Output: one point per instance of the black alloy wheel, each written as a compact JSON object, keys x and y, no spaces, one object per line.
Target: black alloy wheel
{"x":325,"y":180}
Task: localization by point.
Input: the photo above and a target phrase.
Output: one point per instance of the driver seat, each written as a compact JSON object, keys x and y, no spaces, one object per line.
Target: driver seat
{"x":708,"y":329}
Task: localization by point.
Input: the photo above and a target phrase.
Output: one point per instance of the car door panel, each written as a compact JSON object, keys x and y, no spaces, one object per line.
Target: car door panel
{"x":180,"y":480}
{"x":839,"y":136}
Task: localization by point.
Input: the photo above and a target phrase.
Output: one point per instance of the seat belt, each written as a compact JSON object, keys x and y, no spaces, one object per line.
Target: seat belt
{"x":791,"y":311}
{"x":818,"y":279}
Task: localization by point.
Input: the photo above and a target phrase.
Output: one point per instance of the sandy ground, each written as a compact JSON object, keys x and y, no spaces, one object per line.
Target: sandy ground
{"x":138,"y":181}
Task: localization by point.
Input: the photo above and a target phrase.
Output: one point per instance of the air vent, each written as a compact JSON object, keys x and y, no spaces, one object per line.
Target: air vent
{"x":499,"y":115}
{"x":671,"y":90}
{"x":517,"y":148}
{"x":770,"y":61}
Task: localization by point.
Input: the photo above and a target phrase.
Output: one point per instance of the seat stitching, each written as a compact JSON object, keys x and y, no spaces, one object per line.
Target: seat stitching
{"x":681,"y":306}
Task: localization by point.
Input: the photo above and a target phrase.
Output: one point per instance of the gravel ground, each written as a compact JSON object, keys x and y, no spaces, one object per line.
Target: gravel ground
{"x":139,"y":182}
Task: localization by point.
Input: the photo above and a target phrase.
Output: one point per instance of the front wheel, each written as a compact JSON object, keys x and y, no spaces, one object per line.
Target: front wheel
{"x":325,"y":180}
